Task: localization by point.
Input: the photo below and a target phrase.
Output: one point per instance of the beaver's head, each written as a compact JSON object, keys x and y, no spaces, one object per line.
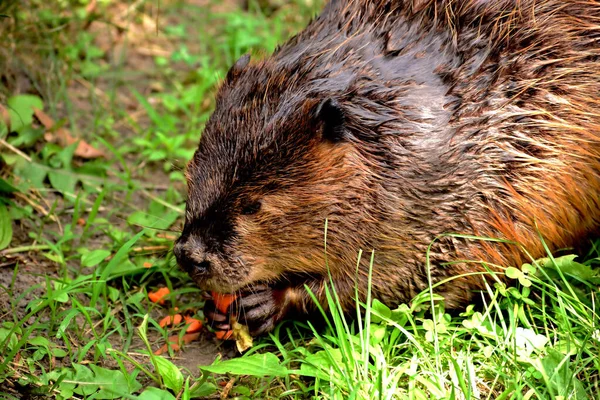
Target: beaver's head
{"x":273,"y":165}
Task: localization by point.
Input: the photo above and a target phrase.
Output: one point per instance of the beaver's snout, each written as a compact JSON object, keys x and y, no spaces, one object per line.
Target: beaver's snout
{"x":192,"y":256}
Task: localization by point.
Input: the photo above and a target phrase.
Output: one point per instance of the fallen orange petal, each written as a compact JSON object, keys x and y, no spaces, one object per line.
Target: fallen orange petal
{"x":159,"y":295}
{"x":223,"y":301}
{"x":147,"y":264}
{"x":170,"y":320}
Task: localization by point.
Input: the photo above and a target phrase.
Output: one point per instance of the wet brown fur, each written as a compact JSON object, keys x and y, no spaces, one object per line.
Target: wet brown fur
{"x":471,"y":117}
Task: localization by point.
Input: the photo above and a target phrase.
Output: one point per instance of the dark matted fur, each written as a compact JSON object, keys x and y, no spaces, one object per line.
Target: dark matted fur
{"x":398,"y":121}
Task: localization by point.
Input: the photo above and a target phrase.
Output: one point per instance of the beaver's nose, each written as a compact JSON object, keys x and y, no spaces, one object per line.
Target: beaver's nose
{"x":191,"y":255}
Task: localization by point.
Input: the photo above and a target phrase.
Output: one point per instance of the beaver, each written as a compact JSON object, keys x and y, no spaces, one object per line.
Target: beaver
{"x":391,"y":123}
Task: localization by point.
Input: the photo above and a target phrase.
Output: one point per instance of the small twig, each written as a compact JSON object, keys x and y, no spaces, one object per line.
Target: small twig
{"x":227,"y":388}
{"x":130,"y":9}
{"x":14,"y":149}
{"x":35,"y":205}
{"x":96,"y":90}
{"x":150,"y":248}
{"x":24,"y":249}
{"x":161,"y":201}
{"x":166,"y":236}
{"x":7,"y":264}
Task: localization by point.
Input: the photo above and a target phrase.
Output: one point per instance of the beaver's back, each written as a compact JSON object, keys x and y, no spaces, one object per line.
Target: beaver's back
{"x":488,"y":110}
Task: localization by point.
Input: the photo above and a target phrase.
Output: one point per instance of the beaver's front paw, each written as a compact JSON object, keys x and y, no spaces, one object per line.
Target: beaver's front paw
{"x":260,"y":307}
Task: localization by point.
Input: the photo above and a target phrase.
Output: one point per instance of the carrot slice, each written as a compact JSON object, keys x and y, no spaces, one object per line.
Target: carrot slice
{"x":159,"y":295}
{"x":223,"y":301}
{"x":224,"y":335}
{"x":170,"y":320}
{"x":194,"y":325}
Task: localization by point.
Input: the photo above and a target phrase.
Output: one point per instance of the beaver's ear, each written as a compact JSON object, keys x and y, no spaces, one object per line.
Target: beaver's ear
{"x":330,"y":116}
{"x":238,"y":67}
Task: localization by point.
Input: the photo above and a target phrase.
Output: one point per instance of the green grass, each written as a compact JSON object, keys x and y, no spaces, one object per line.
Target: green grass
{"x":82,"y":242}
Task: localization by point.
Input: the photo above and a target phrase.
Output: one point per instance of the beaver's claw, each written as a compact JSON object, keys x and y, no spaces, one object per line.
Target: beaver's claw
{"x":214,"y":318}
{"x":260,"y":308}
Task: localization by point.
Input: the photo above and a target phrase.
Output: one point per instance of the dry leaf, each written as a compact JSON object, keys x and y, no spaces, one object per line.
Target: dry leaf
{"x":5,"y":116}
{"x":243,"y":340}
{"x":91,"y":7}
{"x":64,"y":138}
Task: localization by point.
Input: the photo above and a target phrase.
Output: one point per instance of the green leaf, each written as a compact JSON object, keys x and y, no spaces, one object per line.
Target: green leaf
{"x":172,"y":376}
{"x":12,"y":340}
{"x":203,"y":391}
{"x":161,"y":221}
{"x":377,"y":333}
{"x":528,"y":269}
{"x":26,"y":137}
{"x":101,"y":383}
{"x":94,"y":257}
{"x":32,"y":173}
{"x":39,"y":341}
{"x":379,"y":308}
{"x":63,"y":182}
{"x":6,"y":231}
{"x":569,"y":266}
{"x":513,"y":273}
{"x":83,"y":375}
{"x":112,"y":382}
{"x":323,"y":365}
{"x":20,"y":108}
{"x":524,"y":281}
{"x":66,"y":155}
{"x":255,"y":365}
{"x":562,"y":378}
{"x":6,"y":187}
{"x":153,"y":393}
{"x":113,"y":293}
{"x":59,"y":294}
{"x":58,"y":353}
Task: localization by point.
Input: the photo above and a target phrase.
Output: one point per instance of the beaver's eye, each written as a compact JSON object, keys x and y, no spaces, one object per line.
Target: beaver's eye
{"x":251,"y":208}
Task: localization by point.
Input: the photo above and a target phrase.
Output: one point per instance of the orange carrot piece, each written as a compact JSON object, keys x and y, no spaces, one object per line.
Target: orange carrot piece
{"x":223,"y":301}
{"x":159,"y":295}
{"x":187,"y":338}
{"x":194,"y":325}
{"x":224,"y":335}
{"x":170,"y":320}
